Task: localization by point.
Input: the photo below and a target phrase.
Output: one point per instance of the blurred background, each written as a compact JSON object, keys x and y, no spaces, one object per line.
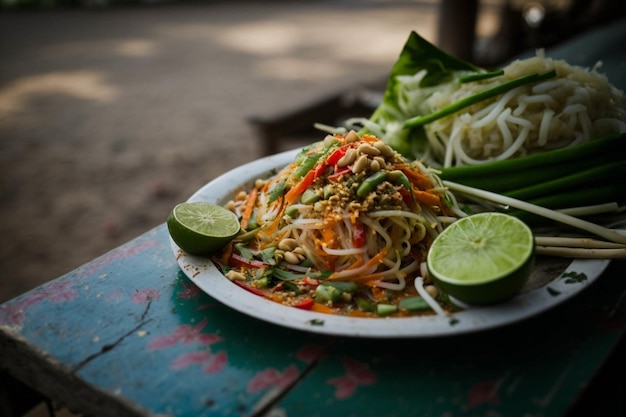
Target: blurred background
{"x":113,"y":111}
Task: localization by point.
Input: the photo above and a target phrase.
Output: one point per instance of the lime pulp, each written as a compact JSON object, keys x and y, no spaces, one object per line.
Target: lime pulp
{"x":482,"y":259}
{"x":202,"y":228}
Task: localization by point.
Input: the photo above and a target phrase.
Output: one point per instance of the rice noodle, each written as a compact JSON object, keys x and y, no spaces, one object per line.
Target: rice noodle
{"x":577,"y":106}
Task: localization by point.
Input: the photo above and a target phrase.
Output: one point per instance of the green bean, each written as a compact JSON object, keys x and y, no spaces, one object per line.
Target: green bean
{"x":309,"y":196}
{"x":276,"y":191}
{"x":307,"y":164}
{"x":416,"y":303}
{"x":370,"y":183}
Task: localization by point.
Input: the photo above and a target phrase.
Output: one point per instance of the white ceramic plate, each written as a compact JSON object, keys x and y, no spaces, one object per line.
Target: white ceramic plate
{"x":552,"y":282}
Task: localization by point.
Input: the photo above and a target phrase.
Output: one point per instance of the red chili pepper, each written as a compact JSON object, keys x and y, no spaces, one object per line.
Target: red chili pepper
{"x":247,"y":287}
{"x":358,"y":235}
{"x":407,"y":197}
{"x":338,"y":173}
{"x":305,"y":304}
{"x":310,"y":281}
{"x":236,"y":260}
{"x":336,"y":155}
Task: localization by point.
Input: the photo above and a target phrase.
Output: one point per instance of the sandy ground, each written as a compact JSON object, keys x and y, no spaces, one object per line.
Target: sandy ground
{"x":110,"y":117}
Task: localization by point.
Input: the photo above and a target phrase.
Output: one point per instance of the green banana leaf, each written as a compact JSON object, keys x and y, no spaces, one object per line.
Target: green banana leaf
{"x":417,"y":54}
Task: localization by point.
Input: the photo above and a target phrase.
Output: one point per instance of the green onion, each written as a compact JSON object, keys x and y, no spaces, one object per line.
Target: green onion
{"x":480,"y":76}
{"x":511,"y":180}
{"x":602,"y":193}
{"x":590,"y":173}
{"x":477,"y":98}
{"x":593,"y":178}
{"x":611,"y":145}
{"x":595,"y":229}
{"x":343,"y":286}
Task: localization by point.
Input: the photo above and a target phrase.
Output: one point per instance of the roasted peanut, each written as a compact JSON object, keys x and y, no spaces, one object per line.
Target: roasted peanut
{"x":384,"y":149}
{"x":432,"y":290}
{"x":381,"y":161}
{"x":347,"y":159}
{"x":291,"y":258}
{"x":368,"y":149}
{"x":361,"y":164}
{"x":235,"y":276}
{"x":287,"y":244}
{"x":351,"y":136}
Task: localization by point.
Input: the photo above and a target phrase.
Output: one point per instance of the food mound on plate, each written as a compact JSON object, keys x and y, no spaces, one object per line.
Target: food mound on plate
{"x":344,"y":229}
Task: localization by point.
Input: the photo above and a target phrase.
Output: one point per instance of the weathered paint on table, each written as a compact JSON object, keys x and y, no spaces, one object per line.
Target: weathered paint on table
{"x":130,"y":334}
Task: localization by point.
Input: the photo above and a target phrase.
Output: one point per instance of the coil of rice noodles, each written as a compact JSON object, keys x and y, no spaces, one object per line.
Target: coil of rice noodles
{"x":577,"y":105}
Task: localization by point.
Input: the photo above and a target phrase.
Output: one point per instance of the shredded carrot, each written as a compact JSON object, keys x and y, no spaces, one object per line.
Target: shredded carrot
{"x":378,"y":294}
{"x":418,"y":179}
{"x":321,"y":308}
{"x":228,"y":250}
{"x":359,"y":313}
{"x":369,"y":138}
{"x":328,"y":236}
{"x":360,"y":261}
{"x":427,"y":197}
{"x":373,"y":261}
{"x":370,"y":280}
{"x":269,"y":230}
{"x":249,"y":207}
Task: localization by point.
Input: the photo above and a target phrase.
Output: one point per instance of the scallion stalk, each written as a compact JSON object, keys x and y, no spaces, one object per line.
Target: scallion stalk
{"x":593,"y":178}
{"x":610,"y":147}
{"x":604,"y":193}
{"x":477,"y":98}
{"x":595,"y":229}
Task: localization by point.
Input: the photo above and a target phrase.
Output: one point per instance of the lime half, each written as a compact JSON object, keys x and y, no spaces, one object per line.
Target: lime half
{"x":485,"y":258}
{"x":201,"y":228}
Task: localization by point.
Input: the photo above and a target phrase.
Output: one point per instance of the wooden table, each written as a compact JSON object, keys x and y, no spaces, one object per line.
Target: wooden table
{"x":128,"y":334}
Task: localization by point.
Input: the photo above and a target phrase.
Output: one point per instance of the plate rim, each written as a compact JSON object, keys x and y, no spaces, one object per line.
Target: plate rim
{"x":205,"y":274}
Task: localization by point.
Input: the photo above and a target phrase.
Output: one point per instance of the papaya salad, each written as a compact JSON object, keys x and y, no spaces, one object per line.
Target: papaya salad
{"x":344,"y":229}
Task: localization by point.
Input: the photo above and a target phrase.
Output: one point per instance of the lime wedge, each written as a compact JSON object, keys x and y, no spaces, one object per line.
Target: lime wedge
{"x":201,"y":228}
{"x":485,"y":258}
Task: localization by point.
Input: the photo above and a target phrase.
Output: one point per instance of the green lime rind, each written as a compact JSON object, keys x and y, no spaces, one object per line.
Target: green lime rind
{"x":201,"y":228}
{"x":483,"y":259}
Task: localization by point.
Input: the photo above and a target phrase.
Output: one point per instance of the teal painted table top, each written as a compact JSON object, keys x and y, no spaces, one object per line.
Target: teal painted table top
{"x":128,"y":334}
